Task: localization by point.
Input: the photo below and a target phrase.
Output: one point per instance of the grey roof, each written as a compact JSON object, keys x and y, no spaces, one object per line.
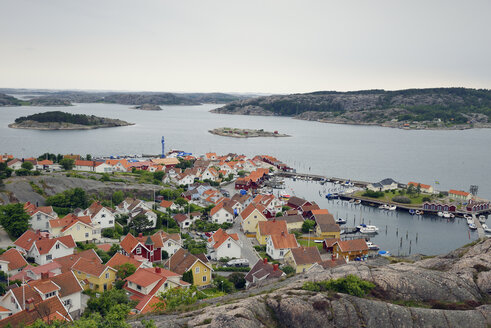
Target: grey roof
{"x":387,"y":181}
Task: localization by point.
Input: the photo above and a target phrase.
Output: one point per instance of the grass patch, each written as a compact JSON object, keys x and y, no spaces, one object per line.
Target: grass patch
{"x":212,"y":292}
{"x":398,"y":260}
{"x":306,"y":242}
{"x":351,"y":284}
{"x":37,"y":188}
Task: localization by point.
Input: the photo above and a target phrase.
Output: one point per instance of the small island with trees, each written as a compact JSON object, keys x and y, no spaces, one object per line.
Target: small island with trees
{"x":245,"y":133}
{"x":56,"y":120}
{"x":147,"y":107}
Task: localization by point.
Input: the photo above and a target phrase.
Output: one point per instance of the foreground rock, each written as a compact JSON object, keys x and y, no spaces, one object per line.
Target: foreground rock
{"x":446,"y":291}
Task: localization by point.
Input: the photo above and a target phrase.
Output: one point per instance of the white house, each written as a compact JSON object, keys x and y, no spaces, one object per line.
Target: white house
{"x":103,"y":168}
{"x":383,"y":185}
{"x":224,"y":245}
{"x":100,"y":215}
{"x":80,"y":165}
{"x":46,"y":249}
{"x":39,"y":216}
{"x":278,"y":245}
{"x":15,"y":164}
{"x":183,"y":220}
{"x":183,"y":179}
{"x":210,"y":174}
{"x":222,"y":214}
{"x":12,"y":262}
{"x":167,"y":205}
{"x":149,"y":214}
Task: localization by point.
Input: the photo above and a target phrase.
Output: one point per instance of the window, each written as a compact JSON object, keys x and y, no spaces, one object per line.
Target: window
{"x":107,"y":275}
{"x":138,"y":287}
{"x":281,"y":253}
{"x":166,"y":285}
{"x":86,"y":235}
{"x":255,"y":216}
{"x":103,"y":215}
{"x":78,"y":227}
{"x":91,"y":285}
{"x":169,"y":244}
{"x":39,"y":217}
{"x":138,"y":250}
{"x":49,"y":257}
{"x":79,"y":272}
{"x":204,"y":278}
{"x":229,"y":245}
{"x":196,"y":270}
{"x":111,"y":221}
{"x":57,"y":246}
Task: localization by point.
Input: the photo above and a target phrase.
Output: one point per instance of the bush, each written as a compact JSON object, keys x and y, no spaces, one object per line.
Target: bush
{"x":426,"y":199}
{"x":351,"y":285}
{"x":287,"y":269}
{"x":232,"y":269}
{"x":238,"y":279}
{"x":308,"y":225}
{"x":373,"y":194}
{"x":401,"y":199}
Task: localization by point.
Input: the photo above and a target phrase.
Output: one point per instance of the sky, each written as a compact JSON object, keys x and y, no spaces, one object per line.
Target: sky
{"x":244,"y":46}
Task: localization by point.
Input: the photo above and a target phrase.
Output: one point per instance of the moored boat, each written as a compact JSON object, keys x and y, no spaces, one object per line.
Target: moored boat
{"x":363,"y":228}
{"x":418,"y":212}
{"x":470,"y":221}
{"x":372,"y":246}
{"x":341,"y":221}
{"x":412,"y":212}
{"x":486,"y":228}
{"x":383,"y":207}
{"x":392,"y":208}
{"x":440,"y":214}
{"x":482,"y":219}
{"x":357,"y":202}
{"x":472,"y":226}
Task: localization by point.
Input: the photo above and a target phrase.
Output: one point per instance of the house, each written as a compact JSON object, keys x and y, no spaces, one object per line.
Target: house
{"x":44,"y":249}
{"x":36,"y":308}
{"x":80,"y":165}
{"x":168,"y":162}
{"x":428,"y":206}
{"x":326,"y":227}
{"x":328,"y":244}
{"x":149,"y":214}
{"x":459,"y":195}
{"x":167,"y":205}
{"x":302,"y":259}
{"x":183,"y":220}
{"x":210,"y":174}
{"x":12,"y":262}
{"x":119,"y":259}
{"x":263,"y":272}
{"x":66,"y":262}
{"x":15,"y":164}
{"x":36,"y":272}
{"x":350,"y":249}
{"x":267,"y":228}
{"x":332,"y":263}
{"x":277,"y":245}
{"x":100,"y":215}
{"x":424,"y":187}
{"x":475,"y":206}
{"x":250,"y":217}
{"x":383,"y":185}
{"x":44,"y":165}
{"x":222,"y":214}
{"x":297,"y":202}
{"x":270,"y":202}
{"x":211,"y":156}
{"x":183,"y":261}
{"x":184,"y":180}
{"x":94,"y":275}
{"x":149,"y":247}
{"x":293,"y":222}
{"x":147,"y":283}
{"x":223,"y":245}
{"x":118,"y":165}
{"x":80,"y":228}
{"x":39,"y":216}
{"x":103,"y":168}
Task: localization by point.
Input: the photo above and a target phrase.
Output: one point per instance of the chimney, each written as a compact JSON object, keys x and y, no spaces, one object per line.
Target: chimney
{"x":30,"y":304}
{"x":140,"y":235}
{"x":44,"y":275}
{"x":158,"y":270}
{"x":275,"y":267}
{"x":265,"y":261}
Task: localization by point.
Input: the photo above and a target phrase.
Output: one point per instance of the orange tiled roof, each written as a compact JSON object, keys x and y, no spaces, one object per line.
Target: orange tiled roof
{"x":250,"y":208}
{"x":266,"y":228}
{"x":120,"y":259}
{"x":354,"y":245}
{"x":94,"y":268}
{"x":284,"y":240}
{"x":415,"y":184}
{"x":458,"y":192}
{"x":220,"y":236}
{"x":15,"y":259}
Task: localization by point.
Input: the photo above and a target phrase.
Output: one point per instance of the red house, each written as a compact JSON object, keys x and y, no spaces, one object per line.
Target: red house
{"x":149,"y":247}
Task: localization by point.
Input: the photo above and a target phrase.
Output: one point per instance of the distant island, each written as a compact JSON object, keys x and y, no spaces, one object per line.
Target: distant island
{"x":148,"y":107}
{"x":245,"y":133}
{"x":67,"y":98}
{"x":438,"y":108}
{"x":57,"y":120}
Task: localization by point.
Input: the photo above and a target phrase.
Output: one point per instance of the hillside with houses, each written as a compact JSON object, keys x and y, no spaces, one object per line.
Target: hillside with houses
{"x":211,"y":228}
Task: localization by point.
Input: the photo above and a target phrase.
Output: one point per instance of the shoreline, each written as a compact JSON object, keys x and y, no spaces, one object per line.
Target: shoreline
{"x":246,"y":133}
{"x":61,"y":127}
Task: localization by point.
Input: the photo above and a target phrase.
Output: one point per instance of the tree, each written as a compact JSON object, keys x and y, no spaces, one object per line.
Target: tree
{"x":106,"y":301}
{"x":140,"y":223}
{"x":223,"y":284}
{"x":287,"y":269}
{"x":27,"y":166}
{"x":418,"y":189}
{"x":14,"y":219}
{"x":279,"y":214}
{"x":114,"y":249}
{"x":67,"y":163}
{"x":88,"y":157}
{"x":181,"y":201}
{"x":188,"y":277}
{"x":238,"y":279}
{"x":125,"y":270}
{"x":308,"y":225}
{"x":159,"y":175}
{"x":241,"y":173}
{"x":165,"y":255}
{"x":117,"y":197}
{"x":411,"y":190}
{"x":175,"y":297}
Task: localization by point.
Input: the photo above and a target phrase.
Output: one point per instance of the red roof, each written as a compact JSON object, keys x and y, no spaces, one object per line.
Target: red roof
{"x":120,"y":259}
{"x":129,"y":243}
{"x":166,"y":203}
{"x":354,"y":245}
{"x":415,"y":184}
{"x":272,"y":227}
{"x":284,"y":240}
{"x":458,"y":192}
{"x":15,"y":259}
{"x":220,"y":236}
{"x":45,"y":245}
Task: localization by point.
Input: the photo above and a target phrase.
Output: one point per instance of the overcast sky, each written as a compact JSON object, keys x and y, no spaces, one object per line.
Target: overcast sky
{"x":244,"y":46}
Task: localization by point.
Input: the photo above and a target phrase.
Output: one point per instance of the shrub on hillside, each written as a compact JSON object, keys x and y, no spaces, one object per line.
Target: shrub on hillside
{"x":402,"y":200}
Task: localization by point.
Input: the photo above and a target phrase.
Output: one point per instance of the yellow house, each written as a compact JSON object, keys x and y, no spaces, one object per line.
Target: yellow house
{"x":302,"y":259}
{"x":251,"y":216}
{"x":183,"y":261}
{"x":80,"y":228}
{"x":293,"y":222}
{"x":326,"y":227}
{"x":94,"y":275}
{"x":268,"y":228}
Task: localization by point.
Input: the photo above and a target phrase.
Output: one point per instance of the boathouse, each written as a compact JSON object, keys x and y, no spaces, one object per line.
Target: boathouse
{"x":439,"y":207}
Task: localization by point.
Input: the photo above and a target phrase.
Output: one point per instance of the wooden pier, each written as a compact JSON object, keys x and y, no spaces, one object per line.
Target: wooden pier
{"x":316,"y":177}
{"x":480,"y":230}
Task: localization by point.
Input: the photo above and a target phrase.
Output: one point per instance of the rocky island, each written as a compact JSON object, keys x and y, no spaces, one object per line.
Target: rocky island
{"x":437,"y":108}
{"x":245,"y":133}
{"x":57,"y":120}
{"x":147,"y":107}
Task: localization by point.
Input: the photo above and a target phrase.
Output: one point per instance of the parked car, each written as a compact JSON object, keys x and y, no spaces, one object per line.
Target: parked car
{"x":238,"y":263}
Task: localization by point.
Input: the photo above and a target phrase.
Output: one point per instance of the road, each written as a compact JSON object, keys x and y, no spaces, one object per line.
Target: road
{"x":248,"y":251}
{"x":5,"y":239}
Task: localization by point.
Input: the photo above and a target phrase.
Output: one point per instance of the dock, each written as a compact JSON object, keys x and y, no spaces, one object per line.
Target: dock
{"x":316,"y":177}
{"x":480,"y":230}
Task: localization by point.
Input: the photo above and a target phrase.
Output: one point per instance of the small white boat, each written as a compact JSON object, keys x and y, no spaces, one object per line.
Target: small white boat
{"x":486,"y":228}
{"x":367,"y":228}
{"x":482,"y":219}
{"x":418,"y":212}
{"x":384,"y":253}
{"x":392,"y":208}
{"x":352,"y":200}
{"x":372,"y":246}
{"x":383,"y":207}
{"x":341,"y":221}
{"x":357,"y":202}
{"x":470,"y":221}
{"x":472,"y":226}
{"x":446,"y":215}
{"x":440,"y":214}
{"x":467,"y":216}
